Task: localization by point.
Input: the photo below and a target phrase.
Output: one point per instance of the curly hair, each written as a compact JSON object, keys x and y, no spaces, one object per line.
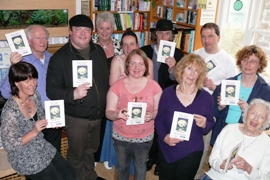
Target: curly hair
{"x":105,"y":17}
{"x":194,"y":60}
{"x":247,"y":51}
{"x":143,"y":56}
{"x":263,"y":103}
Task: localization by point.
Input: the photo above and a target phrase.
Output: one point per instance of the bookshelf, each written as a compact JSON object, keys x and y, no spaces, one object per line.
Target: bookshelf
{"x":127,"y":13}
{"x":183,"y":13}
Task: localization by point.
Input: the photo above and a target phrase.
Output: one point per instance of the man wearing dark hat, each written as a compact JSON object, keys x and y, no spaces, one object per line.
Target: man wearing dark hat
{"x":85,"y":104}
{"x":163,"y":72}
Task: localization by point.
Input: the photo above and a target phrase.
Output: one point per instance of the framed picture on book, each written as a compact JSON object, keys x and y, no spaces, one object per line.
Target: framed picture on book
{"x":136,"y":113}
{"x":181,"y":125}
{"x":212,"y":66}
{"x":81,"y":72}
{"x":230,"y":90}
{"x":18,"y":42}
{"x":166,"y":49}
{"x":55,"y":113}
{"x":233,"y":154}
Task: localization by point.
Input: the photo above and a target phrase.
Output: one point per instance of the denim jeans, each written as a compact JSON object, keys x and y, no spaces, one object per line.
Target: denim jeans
{"x":137,"y":152}
{"x":58,"y":169}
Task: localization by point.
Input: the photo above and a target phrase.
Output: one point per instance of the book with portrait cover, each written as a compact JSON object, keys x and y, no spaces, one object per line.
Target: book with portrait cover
{"x":181,"y":125}
{"x":166,"y":49}
{"x":18,"y":42}
{"x":55,"y":113}
{"x":233,"y":154}
{"x":212,"y":65}
{"x":230,"y":90}
{"x":81,"y":72}
{"x":136,"y":113}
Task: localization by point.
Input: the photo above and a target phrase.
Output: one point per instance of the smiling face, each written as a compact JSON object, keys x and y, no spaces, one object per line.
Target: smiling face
{"x":256,"y":117}
{"x":129,"y":43}
{"x":80,"y":36}
{"x":104,"y":31}
{"x":38,"y":40}
{"x":27,"y":87}
{"x":136,"y":66}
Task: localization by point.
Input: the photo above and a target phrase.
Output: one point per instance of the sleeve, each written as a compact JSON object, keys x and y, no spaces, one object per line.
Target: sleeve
{"x":263,"y":173}
{"x":9,"y":129}
{"x":156,"y":87}
{"x":160,"y":121}
{"x":55,"y":81}
{"x":209,"y":115}
{"x":5,"y":88}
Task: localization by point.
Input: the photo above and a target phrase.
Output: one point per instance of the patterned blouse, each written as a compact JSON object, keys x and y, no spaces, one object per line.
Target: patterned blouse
{"x":116,"y":44}
{"x":36,"y":155}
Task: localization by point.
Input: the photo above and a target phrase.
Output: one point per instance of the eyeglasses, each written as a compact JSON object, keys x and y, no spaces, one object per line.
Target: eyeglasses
{"x":251,"y":62}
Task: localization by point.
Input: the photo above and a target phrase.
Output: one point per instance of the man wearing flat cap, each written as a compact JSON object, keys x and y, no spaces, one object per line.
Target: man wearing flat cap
{"x":85,"y":104}
{"x":163,"y":72}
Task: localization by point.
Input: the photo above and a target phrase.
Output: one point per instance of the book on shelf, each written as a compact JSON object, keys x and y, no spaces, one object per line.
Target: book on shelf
{"x":144,"y":5}
{"x":113,"y":5}
{"x":145,"y":17}
{"x":159,"y":11}
{"x":136,"y":21}
{"x":168,"y":13}
{"x":105,"y":5}
{"x":133,"y":5}
{"x":191,"y":17}
{"x":123,"y":21}
{"x":180,"y":17}
{"x":192,"y":4}
{"x":119,"y":5}
{"x":180,"y":3}
{"x":168,"y":2}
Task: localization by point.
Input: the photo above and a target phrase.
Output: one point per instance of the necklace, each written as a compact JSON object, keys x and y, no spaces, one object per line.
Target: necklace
{"x":244,"y":146}
{"x":187,"y":93}
{"x":104,"y":46}
{"x":27,"y":109}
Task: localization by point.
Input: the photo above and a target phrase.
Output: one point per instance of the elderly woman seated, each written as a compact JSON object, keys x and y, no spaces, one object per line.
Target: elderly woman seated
{"x":252,"y":159}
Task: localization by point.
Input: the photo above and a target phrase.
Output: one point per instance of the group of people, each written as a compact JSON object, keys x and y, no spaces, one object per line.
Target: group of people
{"x":123,"y":73}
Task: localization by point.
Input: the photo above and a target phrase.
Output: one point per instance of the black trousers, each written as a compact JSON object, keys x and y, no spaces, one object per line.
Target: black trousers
{"x":53,"y":136}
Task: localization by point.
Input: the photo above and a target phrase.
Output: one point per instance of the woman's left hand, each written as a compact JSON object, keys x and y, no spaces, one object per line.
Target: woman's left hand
{"x":242,"y":104}
{"x":148,"y":116}
{"x":242,"y":164}
{"x":200,"y":120}
{"x":170,"y":61}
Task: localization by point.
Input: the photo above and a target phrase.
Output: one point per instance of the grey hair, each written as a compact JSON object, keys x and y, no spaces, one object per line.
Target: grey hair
{"x":156,"y":33}
{"x":265,"y":104}
{"x":105,"y":17}
{"x":28,"y":31}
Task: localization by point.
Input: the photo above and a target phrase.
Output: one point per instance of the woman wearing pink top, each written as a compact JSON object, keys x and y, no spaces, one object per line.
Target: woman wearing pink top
{"x":132,"y":142}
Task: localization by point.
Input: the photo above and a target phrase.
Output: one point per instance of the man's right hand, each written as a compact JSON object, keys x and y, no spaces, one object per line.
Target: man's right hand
{"x":15,"y":57}
{"x":81,"y":91}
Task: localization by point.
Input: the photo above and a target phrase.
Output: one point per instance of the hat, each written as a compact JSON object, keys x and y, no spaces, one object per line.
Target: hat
{"x":164,"y":25}
{"x":81,"y":20}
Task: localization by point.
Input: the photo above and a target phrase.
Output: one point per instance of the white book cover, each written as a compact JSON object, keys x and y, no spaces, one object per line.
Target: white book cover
{"x":212,"y":65}
{"x":181,"y":125}
{"x":55,"y":113}
{"x":81,"y":72}
{"x":233,"y":154}
{"x":18,"y":42}
{"x":230,"y":90}
{"x":166,"y":49}
{"x":136,"y":113}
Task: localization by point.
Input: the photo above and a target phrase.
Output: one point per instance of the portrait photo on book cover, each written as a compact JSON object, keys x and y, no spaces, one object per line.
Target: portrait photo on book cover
{"x":210,"y":65}
{"x":230,"y":91}
{"x":55,"y":112}
{"x":82,"y":72}
{"x":182,"y":125}
{"x":166,"y":50}
{"x":18,"y":42}
{"x":136,"y":112}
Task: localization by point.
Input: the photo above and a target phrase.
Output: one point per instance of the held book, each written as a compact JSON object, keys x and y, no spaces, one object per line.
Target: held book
{"x":233,"y":154}
{"x":18,"y":42}
{"x":166,"y":49}
{"x":55,"y":113}
{"x":230,"y":90}
{"x":136,"y":113}
{"x":81,"y":72}
{"x":212,"y":65}
{"x":181,"y":125}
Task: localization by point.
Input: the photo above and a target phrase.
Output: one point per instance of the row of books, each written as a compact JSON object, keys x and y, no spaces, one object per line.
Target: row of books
{"x":188,"y":17}
{"x":135,"y":21}
{"x":121,"y":5}
{"x":141,"y":36}
{"x":185,"y":40}
{"x":165,"y":12}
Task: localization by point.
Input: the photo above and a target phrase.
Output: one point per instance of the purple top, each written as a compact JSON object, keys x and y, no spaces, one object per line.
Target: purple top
{"x":42,"y":73}
{"x":203,"y":104}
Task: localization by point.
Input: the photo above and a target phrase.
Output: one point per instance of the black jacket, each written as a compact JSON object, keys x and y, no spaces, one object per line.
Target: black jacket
{"x":163,"y":74}
{"x":59,"y":82}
